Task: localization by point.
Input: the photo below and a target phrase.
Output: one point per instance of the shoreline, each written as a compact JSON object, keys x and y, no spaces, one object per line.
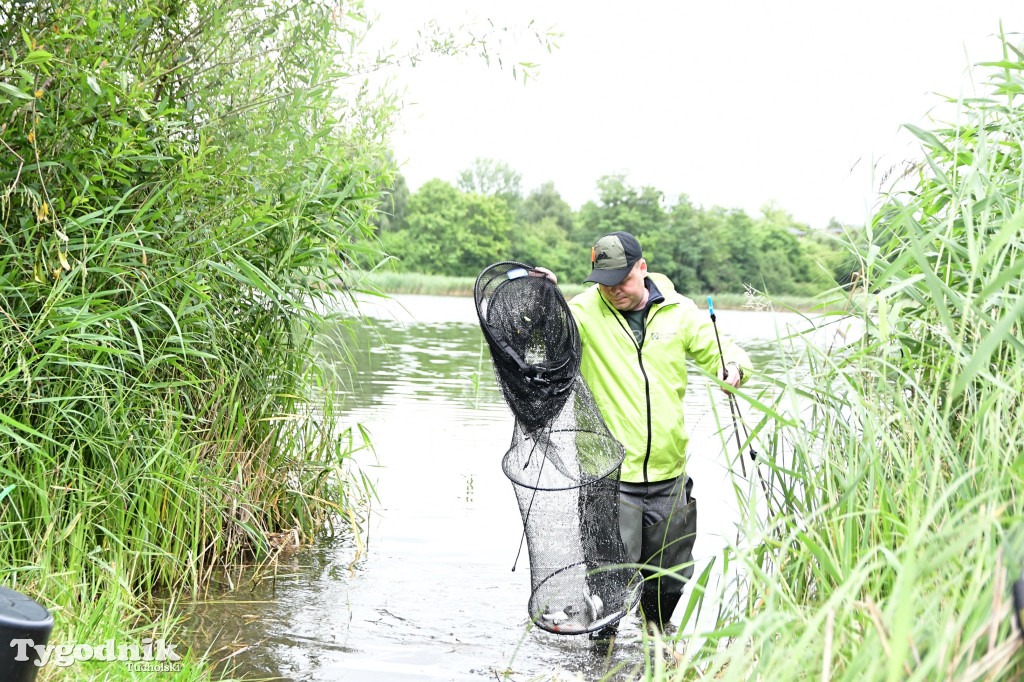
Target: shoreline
{"x":440,"y":285}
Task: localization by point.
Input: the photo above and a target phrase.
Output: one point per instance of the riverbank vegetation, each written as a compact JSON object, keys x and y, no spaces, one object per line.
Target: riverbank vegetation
{"x":390,"y":282}
{"x":180,"y":186}
{"x":896,"y":524}
{"x":457,"y":231}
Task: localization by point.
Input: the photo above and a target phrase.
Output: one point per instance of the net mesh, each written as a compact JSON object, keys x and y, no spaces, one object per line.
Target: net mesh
{"x":563,"y":462}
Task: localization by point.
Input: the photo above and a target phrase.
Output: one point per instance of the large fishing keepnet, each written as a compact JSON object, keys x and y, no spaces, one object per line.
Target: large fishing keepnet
{"x":563,"y":462}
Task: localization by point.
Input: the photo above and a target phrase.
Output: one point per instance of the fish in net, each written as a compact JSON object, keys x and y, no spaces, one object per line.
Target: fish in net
{"x":563,"y":462}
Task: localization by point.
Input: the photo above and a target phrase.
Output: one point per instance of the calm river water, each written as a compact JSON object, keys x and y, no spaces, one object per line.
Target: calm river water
{"x":433,"y":596}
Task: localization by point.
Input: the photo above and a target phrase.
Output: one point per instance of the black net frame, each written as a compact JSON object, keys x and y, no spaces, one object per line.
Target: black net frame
{"x":563,"y":462}
{"x":534,"y":386}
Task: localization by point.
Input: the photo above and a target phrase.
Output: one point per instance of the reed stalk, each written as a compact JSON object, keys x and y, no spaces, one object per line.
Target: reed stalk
{"x":179,"y":194}
{"x":894,"y":458}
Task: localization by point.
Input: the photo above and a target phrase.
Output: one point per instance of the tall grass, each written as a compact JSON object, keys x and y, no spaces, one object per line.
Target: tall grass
{"x":181,"y":185}
{"x":895,"y":464}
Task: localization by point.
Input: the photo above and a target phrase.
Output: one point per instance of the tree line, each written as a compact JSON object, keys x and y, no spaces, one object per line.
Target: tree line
{"x":459,"y":229}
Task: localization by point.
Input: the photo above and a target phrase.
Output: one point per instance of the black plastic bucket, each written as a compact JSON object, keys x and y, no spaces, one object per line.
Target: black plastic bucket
{"x":21,"y":618}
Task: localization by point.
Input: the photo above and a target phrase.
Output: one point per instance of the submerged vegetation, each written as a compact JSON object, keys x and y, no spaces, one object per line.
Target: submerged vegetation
{"x":897,"y":526}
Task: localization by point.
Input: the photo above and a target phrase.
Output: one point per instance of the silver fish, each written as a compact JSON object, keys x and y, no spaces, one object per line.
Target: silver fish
{"x":595,"y":607}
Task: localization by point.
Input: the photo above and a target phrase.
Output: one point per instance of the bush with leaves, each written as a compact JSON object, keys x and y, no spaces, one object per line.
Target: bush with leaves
{"x":180,"y":185}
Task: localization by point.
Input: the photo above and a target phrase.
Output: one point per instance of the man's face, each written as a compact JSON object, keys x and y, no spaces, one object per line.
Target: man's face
{"x":630,"y":292}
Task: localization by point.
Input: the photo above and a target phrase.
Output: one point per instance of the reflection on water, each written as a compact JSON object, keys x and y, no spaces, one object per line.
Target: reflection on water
{"x":433,"y":596}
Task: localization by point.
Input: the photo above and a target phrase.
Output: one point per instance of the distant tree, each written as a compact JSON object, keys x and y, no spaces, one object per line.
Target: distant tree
{"x":613,"y":190}
{"x":424,"y":245}
{"x":485,"y":235}
{"x":721,"y":239}
{"x":449,"y":232}
{"x":672,"y":248}
{"x":784,"y":267}
{"x":492,"y":178}
{"x":459,"y":231}
{"x":545,"y":202}
{"x":544,"y":243}
{"x":773,"y":214}
{"x":783,"y":264}
{"x":623,"y":207}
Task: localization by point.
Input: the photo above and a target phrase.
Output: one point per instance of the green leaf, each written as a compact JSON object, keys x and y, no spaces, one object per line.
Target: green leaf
{"x":1003,"y":331}
{"x":927,"y":137}
{"x":1003,"y":64}
{"x":36,"y":57}
{"x":14,"y":428}
{"x":1017,"y":468}
{"x":697,"y":592}
{"x":13,"y":91}
{"x":826,"y":565}
{"x":91,"y":80}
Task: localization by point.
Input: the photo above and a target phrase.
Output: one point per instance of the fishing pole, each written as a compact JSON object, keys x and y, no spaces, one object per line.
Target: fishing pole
{"x":734,"y":408}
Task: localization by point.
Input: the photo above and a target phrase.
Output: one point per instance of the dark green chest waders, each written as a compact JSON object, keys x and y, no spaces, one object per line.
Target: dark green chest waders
{"x":658,"y":524}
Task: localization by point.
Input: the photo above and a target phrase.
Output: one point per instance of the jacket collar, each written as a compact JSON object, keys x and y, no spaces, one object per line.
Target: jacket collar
{"x":654,"y":294}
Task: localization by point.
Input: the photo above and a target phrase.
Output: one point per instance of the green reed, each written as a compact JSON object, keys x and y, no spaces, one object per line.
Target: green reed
{"x":179,"y":195}
{"x":894,"y":458}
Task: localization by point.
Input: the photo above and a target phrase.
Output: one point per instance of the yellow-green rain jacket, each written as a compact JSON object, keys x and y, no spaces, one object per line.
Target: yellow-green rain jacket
{"x":639,"y":388}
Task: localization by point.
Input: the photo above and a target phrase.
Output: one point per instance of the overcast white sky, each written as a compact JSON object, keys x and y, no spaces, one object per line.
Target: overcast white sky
{"x":732,"y":103}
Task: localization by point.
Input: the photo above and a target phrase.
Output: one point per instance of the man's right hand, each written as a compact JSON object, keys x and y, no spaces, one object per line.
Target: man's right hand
{"x":733,"y":376}
{"x":544,"y":272}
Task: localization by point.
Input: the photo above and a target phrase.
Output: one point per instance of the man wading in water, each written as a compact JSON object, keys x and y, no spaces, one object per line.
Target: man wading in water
{"x":636,"y":333}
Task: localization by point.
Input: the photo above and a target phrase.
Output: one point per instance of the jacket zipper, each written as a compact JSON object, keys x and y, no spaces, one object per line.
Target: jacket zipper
{"x":647,"y":381}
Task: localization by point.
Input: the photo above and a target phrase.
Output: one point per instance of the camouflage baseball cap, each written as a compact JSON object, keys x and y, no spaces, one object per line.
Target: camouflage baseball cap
{"x":612,"y":257}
